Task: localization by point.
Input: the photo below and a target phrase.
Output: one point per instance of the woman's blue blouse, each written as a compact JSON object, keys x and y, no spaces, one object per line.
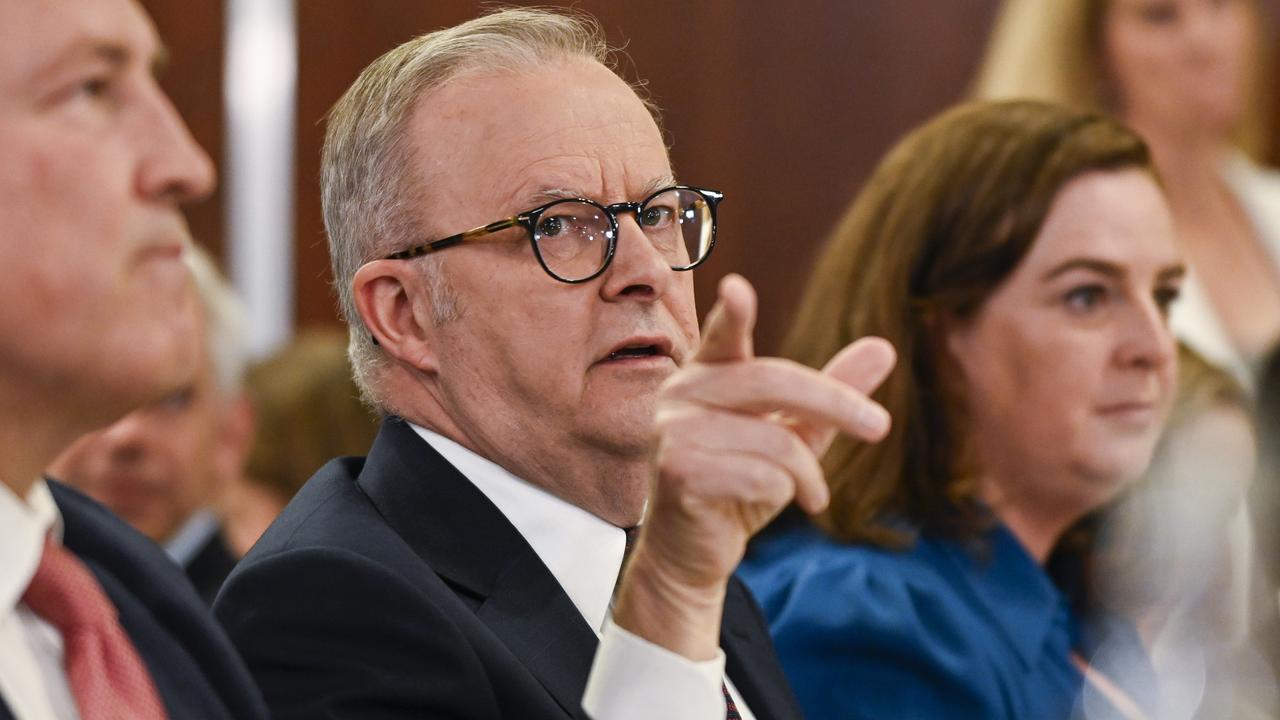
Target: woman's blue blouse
{"x":941,"y":630}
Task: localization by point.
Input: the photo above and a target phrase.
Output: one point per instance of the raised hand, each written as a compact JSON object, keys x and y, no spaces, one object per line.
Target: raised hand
{"x":738,"y":438}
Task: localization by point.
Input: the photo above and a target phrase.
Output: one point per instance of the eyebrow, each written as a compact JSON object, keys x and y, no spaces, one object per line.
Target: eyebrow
{"x":109,"y":51}
{"x":1110,"y":269}
{"x":657,"y":184}
{"x":546,"y":195}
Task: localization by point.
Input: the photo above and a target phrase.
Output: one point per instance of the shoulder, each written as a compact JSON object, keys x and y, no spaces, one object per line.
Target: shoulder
{"x":332,"y":609}
{"x":120,"y":555}
{"x":800,"y":571}
{"x":1257,"y":187}
{"x":190,"y":658}
{"x":870,"y":632}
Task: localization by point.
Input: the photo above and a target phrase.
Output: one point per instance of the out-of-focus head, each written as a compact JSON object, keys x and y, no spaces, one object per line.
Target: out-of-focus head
{"x":1185,"y":66}
{"x":464,"y":127}
{"x":308,"y":411}
{"x":1180,"y":61}
{"x":159,"y":465}
{"x":1021,"y":258}
{"x":94,"y":163}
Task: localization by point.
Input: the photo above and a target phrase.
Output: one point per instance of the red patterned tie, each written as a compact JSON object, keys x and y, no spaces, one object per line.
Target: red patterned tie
{"x":106,"y":675}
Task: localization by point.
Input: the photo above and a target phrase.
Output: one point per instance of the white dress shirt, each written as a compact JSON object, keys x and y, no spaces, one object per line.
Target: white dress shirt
{"x":1194,"y":319}
{"x":631,"y":678}
{"x":191,"y":538}
{"x":33,"y":681}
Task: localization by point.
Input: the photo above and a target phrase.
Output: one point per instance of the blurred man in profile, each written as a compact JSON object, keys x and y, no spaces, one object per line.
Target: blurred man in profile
{"x":164,"y":468}
{"x":96,"y":320}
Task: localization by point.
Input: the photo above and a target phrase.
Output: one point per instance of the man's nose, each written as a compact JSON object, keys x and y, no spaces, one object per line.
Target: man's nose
{"x":639,"y":270}
{"x":173,"y":167}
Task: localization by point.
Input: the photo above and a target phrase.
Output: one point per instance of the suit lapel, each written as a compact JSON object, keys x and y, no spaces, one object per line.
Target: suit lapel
{"x":457,"y":531}
{"x":5,"y":712}
{"x":750,"y":660}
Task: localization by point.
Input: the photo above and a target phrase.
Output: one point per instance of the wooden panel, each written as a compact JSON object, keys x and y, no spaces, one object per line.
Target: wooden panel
{"x":784,"y":110}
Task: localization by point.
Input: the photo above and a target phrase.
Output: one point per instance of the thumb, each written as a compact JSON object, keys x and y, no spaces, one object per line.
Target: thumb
{"x":727,"y":334}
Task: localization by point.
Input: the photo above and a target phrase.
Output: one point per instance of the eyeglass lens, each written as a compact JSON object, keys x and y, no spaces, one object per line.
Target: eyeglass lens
{"x":573,"y":237}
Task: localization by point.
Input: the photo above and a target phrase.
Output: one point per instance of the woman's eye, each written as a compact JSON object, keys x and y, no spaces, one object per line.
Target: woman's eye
{"x":179,"y":400}
{"x":1158,"y":13}
{"x":1165,"y":298}
{"x":1085,"y":298}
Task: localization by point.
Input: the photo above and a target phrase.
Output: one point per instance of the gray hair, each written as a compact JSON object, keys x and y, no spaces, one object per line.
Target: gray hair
{"x":224,"y":321}
{"x":368,"y":187}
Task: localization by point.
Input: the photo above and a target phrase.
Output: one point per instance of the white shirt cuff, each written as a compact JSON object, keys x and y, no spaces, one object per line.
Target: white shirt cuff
{"x":632,"y":678}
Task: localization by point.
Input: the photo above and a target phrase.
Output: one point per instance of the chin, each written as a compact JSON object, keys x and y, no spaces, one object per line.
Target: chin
{"x":1109,"y":475}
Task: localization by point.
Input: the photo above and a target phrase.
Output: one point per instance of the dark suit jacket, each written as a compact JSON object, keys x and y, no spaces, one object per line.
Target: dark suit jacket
{"x":392,"y":588}
{"x":195,"y":669}
{"x":210,"y":567}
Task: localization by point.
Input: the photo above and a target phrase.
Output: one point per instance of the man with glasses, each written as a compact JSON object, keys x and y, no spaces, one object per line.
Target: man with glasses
{"x":511,"y":252}
{"x":96,"y":319}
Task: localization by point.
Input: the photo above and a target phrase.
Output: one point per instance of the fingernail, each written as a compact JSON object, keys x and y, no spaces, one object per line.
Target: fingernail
{"x":875,"y":420}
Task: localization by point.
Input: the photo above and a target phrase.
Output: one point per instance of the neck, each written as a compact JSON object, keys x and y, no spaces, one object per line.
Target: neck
{"x":35,"y":428}
{"x":608,"y":484}
{"x":1036,"y":522}
{"x":1188,"y":158}
{"x":28,"y":444}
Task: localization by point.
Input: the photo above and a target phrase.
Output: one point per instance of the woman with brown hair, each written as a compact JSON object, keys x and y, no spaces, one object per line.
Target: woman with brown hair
{"x":1021,"y":258}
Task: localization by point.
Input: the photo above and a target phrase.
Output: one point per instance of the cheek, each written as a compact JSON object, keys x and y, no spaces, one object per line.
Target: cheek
{"x":1136,"y":60}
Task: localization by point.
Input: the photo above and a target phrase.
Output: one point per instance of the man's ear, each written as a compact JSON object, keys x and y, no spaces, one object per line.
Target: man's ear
{"x":395,"y":307}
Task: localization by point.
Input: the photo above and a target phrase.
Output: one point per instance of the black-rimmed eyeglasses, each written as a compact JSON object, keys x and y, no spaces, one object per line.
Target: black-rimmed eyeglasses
{"x":575,"y":239}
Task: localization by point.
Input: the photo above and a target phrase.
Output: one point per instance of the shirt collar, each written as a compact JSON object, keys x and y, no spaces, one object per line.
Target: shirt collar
{"x":24,"y":525}
{"x":1013,"y":588}
{"x":191,"y":537}
{"x":582,"y":551}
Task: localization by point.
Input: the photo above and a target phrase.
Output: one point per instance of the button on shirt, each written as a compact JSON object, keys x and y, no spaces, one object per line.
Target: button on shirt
{"x":33,"y":682}
{"x":631,"y":677}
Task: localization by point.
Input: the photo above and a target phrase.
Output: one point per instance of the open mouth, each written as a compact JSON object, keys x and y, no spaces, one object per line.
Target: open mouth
{"x":633,"y":351}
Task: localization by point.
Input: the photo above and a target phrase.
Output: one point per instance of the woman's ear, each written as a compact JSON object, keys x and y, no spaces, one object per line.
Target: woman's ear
{"x":394,"y":304}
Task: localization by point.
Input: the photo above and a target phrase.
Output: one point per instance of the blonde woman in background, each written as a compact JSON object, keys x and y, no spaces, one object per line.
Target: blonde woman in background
{"x":1188,"y":76}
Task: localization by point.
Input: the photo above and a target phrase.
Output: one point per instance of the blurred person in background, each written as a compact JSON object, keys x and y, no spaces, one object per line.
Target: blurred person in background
{"x":1021,"y":258}
{"x":97,"y":319}
{"x":1189,"y":76}
{"x":1174,"y":555}
{"x":308,"y":411}
{"x":164,"y":468}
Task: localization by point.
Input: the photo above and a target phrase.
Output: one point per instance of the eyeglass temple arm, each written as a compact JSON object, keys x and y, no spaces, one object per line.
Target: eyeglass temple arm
{"x":420,"y":250}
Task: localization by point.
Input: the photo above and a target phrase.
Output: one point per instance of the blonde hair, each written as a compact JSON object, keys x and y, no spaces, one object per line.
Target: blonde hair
{"x":1051,"y":50}
{"x":367,"y":178}
{"x":225,"y":321}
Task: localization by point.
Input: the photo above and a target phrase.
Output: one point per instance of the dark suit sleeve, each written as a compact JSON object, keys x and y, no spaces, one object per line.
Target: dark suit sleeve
{"x":328,"y":633}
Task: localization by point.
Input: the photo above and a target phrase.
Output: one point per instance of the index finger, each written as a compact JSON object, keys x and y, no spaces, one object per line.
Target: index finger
{"x":727,"y":334}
